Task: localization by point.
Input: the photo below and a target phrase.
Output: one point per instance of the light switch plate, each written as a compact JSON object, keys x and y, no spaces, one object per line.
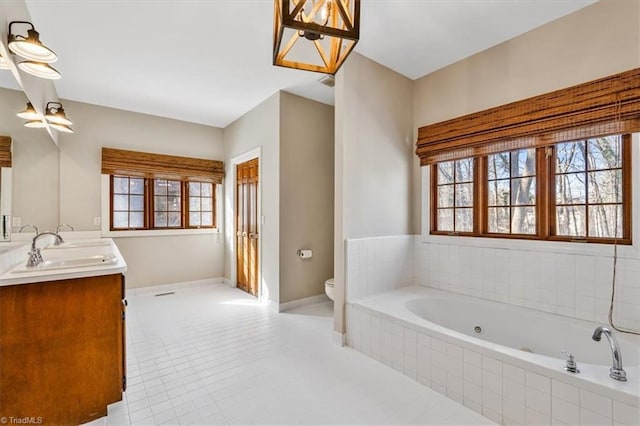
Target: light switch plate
{"x":17,"y":221}
{"x":97,"y":221}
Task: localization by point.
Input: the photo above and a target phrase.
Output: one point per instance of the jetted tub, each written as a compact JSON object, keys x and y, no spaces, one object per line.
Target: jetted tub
{"x":514,"y":336}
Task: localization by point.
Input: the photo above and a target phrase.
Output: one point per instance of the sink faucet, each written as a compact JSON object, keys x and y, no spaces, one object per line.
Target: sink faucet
{"x":616,"y":372}
{"x":63,"y":226}
{"x":35,"y":228}
{"x":35,"y":257}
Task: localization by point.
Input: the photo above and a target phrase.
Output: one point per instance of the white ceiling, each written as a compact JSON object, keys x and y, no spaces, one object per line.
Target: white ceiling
{"x":209,"y":61}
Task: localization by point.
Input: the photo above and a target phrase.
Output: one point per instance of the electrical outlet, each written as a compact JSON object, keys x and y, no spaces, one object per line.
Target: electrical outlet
{"x":17,"y":221}
{"x":97,"y":220}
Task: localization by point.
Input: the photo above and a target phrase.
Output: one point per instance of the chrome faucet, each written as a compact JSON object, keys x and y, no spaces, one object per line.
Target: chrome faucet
{"x":616,"y":372}
{"x":35,"y":228}
{"x":35,"y":257}
{"x":62,"y":226}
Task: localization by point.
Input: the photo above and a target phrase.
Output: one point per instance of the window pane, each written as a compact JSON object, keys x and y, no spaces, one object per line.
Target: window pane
{"x":445,"y":219}
{"x":570,"y":188}
{"x":207,"y":189}
{"x":207,"y":219}
{"x":445,"y":172}
{"x":464,"y":220}
{"x":120,"y":220}
{"x":499,"y":166}
{"x":570,"y":157}
{"x":121,"y":185}
{"x":136,"y":186}
{"x":194,"y":204}
{"x":604,"y":153}
{"x":464,"y":170}
{"x":207,"y":204}
{"x":499,"y":193}
{"x":137,"y":203}
{"x":523,"y":191}
{"x":603,"y":220}
{"x":194,"y":189}
{"x":523,"y":163}
{"x":160,"y":204}
{"x":464,"y":195}
{"x":499,"y":220}
{"x":570,"y":221}
{"x":523,"y":220}
{"x":445,"y":196}
{"x":194,"y":219}
{"x":605,"y":187}
{"x":174,"y":219}
{"x":173,"y":187}
{"x":120,"y":202}
{"x":136,"y":220}
{"x":160,"y":187}
{"x":160,"y":220}
{"x":173,"y":204}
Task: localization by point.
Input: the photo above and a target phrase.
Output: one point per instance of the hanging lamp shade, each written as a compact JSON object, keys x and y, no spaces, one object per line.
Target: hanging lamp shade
{"x":61,"y":127}
{"x":55,"y":114}
{"x":30,"y":47}
{"x":315,"y":35}
{"x":35,"y":124}
{"x":29,"y":113}
{"x":4,"y":65}
{"x":40,"y":69}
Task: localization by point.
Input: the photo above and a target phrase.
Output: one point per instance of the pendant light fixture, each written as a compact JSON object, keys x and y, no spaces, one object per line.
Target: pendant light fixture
{"x":29,"y":113}
{"x":55,"y":116}
{"x":4,"y":65}
{"x":315,"y":35}
{"x":30,"y":47}
{"x":40,"y":69}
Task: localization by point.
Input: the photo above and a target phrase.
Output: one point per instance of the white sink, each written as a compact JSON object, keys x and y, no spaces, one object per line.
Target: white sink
{"x":80,"y":244}
{"x":67,"y":263}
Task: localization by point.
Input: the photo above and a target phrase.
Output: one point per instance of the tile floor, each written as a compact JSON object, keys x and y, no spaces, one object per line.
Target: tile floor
{"x":212,"y":355}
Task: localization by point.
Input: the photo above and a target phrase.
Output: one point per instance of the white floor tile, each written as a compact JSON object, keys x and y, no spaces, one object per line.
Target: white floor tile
{"x":212,"y":355}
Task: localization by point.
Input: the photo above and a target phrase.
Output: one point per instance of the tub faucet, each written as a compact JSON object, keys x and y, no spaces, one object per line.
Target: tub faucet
{"x":35,"y":257}
{"x":616,"y":372}
{"x":35,"y":228}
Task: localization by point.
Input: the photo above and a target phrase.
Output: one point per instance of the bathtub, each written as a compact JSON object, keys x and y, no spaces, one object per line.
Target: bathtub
{"x":502,"y":361}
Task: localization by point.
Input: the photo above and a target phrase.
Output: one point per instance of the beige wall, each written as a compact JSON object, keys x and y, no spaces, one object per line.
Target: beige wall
{"x":375,"y":164}
{"x":306,"y":196}
{"x":52,"y":186}
{"x":597,"y":41}
{"x":35,"y":165}
{"x":258,"y":128}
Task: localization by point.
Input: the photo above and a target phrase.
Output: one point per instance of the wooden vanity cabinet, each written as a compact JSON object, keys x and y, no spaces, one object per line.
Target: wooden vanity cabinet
{"x":62,"y":349}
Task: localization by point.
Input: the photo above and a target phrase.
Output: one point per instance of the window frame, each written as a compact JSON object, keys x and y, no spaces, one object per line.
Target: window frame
{"x":545,"y":199}
{"x":149,"y":206}
{"x":187,"y":211}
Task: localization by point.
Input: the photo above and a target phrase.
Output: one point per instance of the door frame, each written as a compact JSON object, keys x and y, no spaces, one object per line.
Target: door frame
{"x":243,"y":158}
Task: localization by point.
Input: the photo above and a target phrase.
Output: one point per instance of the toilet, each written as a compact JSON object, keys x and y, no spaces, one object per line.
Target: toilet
{"x":328,"y":288}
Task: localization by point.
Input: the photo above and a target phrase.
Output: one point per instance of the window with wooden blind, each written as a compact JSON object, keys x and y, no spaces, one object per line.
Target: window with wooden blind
{"x":571,"y":191}
{"x":160,"y":192}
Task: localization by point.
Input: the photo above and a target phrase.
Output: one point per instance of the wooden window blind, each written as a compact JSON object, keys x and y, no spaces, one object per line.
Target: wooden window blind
{"x":143,"y":164}
{"x":602,"y":107}
{"x":5,"y":151}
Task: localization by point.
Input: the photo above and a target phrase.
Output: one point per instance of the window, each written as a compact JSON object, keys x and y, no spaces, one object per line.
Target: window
{"x":145,"y":203}
{"x":455,"y":196}
{"x":569,"y":191}
{"x":511,"y":187}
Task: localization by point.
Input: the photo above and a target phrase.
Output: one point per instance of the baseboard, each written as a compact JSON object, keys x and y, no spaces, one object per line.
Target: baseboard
{"x":284,"y":307}
{"x":172,"y":287}
{"x":228,"y":283}
{"x":339,"y":339}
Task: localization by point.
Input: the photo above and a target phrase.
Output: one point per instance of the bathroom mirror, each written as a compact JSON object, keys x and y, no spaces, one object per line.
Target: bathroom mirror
{"x":5,"y":188}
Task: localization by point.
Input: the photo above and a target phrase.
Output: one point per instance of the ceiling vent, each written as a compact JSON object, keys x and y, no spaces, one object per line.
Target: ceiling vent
{"x":329,"y":81}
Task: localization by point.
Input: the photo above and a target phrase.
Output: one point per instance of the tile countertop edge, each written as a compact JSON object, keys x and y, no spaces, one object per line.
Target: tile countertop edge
{"x":8,"y":278}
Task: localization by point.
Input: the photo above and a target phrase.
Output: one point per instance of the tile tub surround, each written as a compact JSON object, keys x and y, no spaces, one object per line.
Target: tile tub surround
{"x":536,"y":275}
{"x":374,"y":265}
{"x":500,"y":387}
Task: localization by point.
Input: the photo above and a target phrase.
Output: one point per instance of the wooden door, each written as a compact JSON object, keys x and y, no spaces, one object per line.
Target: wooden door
{"x":247,"y":236}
